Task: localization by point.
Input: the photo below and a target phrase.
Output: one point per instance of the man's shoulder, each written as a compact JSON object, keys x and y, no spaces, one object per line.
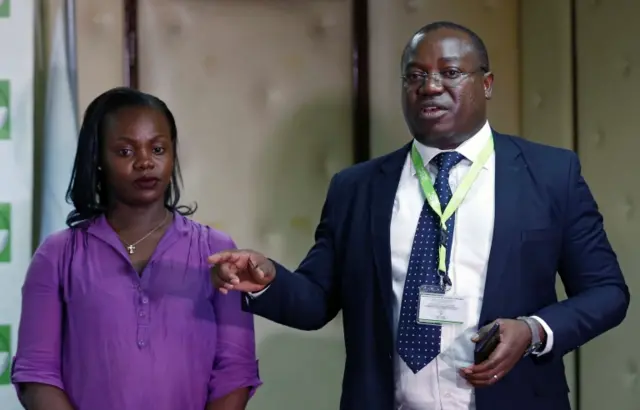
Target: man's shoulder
{"x":542,"y":157}
{"x":363,"y":171}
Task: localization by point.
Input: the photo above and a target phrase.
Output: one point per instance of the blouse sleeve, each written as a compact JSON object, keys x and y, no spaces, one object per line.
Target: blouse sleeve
{"x":235,"y":365}
{"x":38,"y":356}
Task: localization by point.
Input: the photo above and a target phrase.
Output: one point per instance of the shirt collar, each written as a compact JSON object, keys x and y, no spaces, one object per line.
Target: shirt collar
{"x":470,"y":149}
{"x":100,"y":227}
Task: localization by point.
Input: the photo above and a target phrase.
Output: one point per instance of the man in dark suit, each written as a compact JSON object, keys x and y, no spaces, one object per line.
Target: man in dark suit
{"x":460,"y":229}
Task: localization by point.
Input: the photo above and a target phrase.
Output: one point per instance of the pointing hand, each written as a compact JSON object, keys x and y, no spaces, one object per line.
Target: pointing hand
{"x":241,"y":270}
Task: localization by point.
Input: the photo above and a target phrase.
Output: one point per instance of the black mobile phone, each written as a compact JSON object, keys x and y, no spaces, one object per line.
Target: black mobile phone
{"x":486,"y":345}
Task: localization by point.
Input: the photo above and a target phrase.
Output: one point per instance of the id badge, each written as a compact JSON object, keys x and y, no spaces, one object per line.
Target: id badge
{"x":435,"y":308}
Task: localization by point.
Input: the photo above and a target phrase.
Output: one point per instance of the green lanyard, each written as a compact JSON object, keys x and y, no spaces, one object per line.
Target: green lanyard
{"x":456,"y":199}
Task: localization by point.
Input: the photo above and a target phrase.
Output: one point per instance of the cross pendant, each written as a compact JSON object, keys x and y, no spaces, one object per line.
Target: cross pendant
{"x":131,"y":249}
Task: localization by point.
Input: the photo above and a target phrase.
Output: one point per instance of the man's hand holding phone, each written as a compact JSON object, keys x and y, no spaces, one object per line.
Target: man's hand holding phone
{"x":499,"y":346}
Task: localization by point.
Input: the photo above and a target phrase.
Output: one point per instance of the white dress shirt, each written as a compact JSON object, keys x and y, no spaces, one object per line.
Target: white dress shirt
{"x":439,"y":386}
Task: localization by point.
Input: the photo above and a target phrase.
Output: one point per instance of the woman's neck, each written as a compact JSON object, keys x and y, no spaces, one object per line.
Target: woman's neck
{"x":124,"y":218}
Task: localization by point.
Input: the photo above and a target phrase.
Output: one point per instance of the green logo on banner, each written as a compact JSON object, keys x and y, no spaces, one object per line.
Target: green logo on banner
{"x":5,"y":104}
{"x":5,"y":8}
{"x":5,"y":232}
{"x":5,"y":354}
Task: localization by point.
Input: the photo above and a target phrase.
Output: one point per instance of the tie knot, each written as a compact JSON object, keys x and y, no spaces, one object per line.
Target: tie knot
{"x":445,"y":161}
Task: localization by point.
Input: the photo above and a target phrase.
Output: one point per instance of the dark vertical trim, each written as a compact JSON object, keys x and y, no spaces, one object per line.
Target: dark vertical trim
{"x":576,"y":148}
{"x":131,"y":71}
{"x":574,"y":73}
{"x":360,"y":60}
{"x":71,"y":48}
{"x":42,"y":27}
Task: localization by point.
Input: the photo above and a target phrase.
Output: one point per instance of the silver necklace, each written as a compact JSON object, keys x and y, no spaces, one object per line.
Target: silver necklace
{"x":131,"y":247}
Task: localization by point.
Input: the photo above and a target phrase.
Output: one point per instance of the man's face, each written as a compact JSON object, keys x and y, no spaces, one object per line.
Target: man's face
{"x":449,"y":105}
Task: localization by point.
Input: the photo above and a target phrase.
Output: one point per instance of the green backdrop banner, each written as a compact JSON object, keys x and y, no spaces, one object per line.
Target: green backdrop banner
{"x":16,"y":175}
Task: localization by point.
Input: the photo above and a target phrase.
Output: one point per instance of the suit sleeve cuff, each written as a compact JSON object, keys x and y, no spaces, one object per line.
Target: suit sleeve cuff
{"x":254,"y":295}
{"x":549,"y":340}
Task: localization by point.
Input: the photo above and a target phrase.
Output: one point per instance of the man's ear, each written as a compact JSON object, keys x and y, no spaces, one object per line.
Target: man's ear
{"x":488,"y":85}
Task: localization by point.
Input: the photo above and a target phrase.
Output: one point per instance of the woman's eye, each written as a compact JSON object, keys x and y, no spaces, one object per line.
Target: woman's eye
{"x":125,"y":152}
{"x":158,"y":150}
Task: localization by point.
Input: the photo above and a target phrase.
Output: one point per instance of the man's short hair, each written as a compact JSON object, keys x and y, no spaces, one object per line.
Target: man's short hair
{"x":477,"y":42}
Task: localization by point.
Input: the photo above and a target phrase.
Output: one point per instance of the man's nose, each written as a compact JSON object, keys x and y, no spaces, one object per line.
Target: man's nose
{"x":431,"y":84}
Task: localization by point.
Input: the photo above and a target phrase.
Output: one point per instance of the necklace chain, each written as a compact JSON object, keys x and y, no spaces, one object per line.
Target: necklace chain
{"x":131,"y":247}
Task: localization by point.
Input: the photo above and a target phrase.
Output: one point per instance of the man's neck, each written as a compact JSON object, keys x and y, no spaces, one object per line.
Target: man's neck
{"x":449,"y":142}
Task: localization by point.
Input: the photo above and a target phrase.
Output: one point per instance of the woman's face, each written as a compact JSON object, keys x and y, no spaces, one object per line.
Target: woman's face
{"x":138,"y":156}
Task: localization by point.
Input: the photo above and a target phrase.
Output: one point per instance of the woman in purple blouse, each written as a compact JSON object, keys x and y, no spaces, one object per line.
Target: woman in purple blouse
{"x":118,"y":311}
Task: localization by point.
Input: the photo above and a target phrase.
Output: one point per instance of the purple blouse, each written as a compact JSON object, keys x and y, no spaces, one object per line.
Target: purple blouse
{"x":113,"y":339}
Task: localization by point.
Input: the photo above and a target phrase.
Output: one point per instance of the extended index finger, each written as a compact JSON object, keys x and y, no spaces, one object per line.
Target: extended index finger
{"x":223,"y":257}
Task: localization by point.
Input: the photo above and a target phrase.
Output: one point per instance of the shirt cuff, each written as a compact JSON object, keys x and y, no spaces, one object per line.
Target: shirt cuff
{"x":254,"y":295}
{"x":549,"y":342}
{"x":24,"y":371}
{"x":219,"y":388}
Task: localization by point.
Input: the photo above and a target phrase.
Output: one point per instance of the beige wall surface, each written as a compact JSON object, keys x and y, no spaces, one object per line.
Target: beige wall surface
{"x":261,"y":91}
{"x":608,"y":121}
{"x":100,"y":40}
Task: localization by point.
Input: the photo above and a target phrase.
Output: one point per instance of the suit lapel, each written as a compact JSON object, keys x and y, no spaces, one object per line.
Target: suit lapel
{"x":383,"y":187}
{"x":508,"y":172}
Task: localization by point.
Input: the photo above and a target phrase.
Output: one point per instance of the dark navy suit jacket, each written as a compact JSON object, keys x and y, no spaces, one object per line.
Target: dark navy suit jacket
{"x":546,"y":222}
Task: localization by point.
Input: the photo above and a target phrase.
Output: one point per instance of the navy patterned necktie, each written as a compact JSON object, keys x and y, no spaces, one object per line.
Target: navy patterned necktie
{"x":419,"y":344}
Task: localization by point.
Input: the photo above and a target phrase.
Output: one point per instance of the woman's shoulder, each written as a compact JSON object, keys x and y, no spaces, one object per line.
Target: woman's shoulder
{"x":55,"y":242}
{"x":57,"y":248}
{"x":217,"y":240}
{"x":62,"y":241}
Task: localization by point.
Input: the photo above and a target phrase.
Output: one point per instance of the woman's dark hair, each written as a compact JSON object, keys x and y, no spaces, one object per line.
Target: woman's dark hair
{"x":86,"y":190}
